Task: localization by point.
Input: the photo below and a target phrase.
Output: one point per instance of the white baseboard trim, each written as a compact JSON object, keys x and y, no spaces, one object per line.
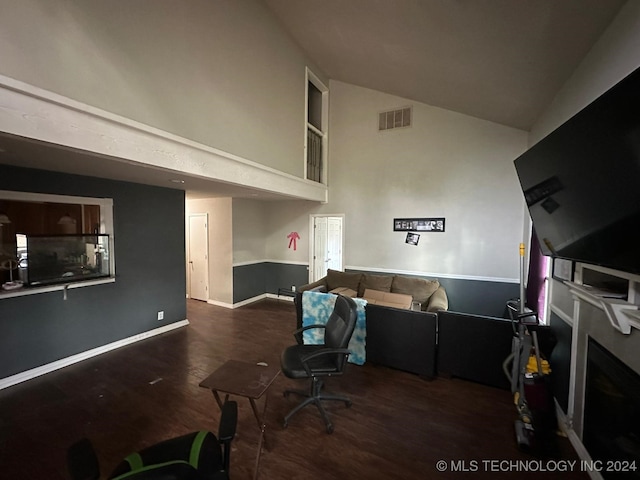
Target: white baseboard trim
{"x":280,"y":297}
{"x":220,"y":304}
{"x":94,"y":352}
{"x":269,"y":260}
{"x":239,"y":304}
{"x":249,"y":301}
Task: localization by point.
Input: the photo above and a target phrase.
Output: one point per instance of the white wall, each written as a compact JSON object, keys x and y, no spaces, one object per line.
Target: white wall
{"x":219,"y":72}
{"x":284,"y":218}
{"x":220,"y":245}
{"x":446,"y":165}
{"x":249,"y":231}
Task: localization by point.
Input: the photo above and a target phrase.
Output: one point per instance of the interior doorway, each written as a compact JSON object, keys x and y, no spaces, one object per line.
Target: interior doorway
{"x":327,"y":245}
{"x":198,"y":257}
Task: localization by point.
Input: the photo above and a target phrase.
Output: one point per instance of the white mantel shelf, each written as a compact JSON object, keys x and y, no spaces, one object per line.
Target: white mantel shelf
{"x":622,"y":314}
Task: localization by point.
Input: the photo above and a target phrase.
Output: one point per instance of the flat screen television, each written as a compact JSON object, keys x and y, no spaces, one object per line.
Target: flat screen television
{"x":581,"y":182}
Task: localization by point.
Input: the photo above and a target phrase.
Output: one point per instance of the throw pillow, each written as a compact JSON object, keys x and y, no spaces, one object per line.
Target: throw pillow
{"x":382,"y":283}
{"x":419,"y":288}
{"x":336,"y":278}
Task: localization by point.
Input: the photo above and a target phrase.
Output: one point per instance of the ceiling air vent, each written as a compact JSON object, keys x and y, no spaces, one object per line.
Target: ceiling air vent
{"x":394,"y":119}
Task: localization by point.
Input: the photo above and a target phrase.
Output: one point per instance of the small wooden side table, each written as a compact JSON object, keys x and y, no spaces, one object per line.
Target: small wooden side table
{"x":247,"y":380}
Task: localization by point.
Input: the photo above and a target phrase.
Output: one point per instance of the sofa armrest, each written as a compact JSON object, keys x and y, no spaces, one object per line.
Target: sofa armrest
{"x":318,"y":285}
{"x":438,"y":301}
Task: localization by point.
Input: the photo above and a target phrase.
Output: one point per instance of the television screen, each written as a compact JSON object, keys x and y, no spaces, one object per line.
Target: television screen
{"x":581,"y":183}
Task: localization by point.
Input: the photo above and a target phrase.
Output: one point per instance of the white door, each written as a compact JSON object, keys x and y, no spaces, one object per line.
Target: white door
{"x":198,"y":266}
{"x":334,"y":243}
{"x":320,"y":248}
{"x":327,"y":245}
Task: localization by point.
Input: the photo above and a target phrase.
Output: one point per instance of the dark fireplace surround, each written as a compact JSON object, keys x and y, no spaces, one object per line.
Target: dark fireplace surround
{"x":612,"y":413}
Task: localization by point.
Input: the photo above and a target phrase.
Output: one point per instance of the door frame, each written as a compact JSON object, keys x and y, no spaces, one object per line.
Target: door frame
{"x":312,"y":240}
{"x":206,"y":252}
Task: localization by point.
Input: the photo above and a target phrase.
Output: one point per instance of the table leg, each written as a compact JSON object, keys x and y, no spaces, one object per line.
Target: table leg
{"x":261,"y":425}
{"x":260,"y":419}
{"x":217,"y":397}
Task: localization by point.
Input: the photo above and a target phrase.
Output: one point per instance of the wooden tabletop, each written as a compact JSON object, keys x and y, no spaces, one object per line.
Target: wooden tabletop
{"x":242,"y":378}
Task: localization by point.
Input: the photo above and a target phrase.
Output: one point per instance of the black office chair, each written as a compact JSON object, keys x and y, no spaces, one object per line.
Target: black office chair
{"x":195,"y":456}
{"x":324,"y":360}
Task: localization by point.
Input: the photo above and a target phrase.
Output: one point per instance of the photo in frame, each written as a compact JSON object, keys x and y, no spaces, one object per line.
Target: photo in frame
{"x":433,"y":224}
{"x":412,"y":238}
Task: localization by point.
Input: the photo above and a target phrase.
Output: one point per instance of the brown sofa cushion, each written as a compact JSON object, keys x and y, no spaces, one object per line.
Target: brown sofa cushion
{"x":381,"y":283}
{"x":336,"y":278}
{"x":419,"y":288}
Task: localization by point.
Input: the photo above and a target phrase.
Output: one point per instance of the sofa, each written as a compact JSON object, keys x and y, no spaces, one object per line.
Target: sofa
{"x":401,"y":338}
{"x":433,"y":341}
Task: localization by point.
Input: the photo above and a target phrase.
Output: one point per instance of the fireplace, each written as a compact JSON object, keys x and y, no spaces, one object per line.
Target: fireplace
{"x":611,"y":430}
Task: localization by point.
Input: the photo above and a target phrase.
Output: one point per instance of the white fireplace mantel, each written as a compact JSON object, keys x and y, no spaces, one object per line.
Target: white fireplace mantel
{"x":612,"y":318}
{"x":621,"y":314}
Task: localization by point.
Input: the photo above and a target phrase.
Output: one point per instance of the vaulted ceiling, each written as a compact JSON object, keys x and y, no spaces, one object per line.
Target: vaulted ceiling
{"x":500,"y":60}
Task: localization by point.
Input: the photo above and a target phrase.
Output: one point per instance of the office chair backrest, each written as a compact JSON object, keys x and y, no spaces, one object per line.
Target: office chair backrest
{"x":341,"y":325}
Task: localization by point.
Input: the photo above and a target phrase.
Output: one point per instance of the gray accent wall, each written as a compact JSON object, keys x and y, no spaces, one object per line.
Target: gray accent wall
{"x":255,"y":279}
{"x":479,"y":297}
{"x":150,"y":275}
{"x":249,"y":281}
{"x":283,"y":275}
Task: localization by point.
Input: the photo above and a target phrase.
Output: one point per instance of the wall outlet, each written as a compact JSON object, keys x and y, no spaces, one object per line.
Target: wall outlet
{"x":293,"y":288}
{"x":161,"y":315}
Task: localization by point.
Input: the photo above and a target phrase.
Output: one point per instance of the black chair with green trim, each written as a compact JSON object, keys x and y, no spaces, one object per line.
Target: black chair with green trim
{"x":195,"y":456}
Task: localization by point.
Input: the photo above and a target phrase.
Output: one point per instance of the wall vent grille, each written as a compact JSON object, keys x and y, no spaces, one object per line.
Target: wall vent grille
{"x":395,"y":119}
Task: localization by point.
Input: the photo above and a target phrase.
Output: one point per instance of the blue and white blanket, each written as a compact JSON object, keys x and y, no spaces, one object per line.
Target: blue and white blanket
{"x":317,"y":308}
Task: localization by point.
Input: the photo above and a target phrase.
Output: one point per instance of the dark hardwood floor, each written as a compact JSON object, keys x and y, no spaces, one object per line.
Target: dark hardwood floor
{"x":399,"y":426}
